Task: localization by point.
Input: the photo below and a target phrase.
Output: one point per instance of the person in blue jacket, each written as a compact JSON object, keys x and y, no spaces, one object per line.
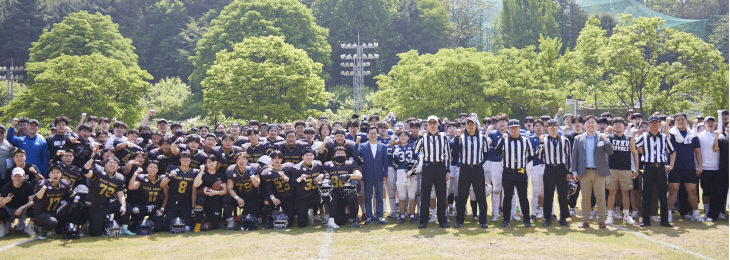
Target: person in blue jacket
{"x":35,"y":146}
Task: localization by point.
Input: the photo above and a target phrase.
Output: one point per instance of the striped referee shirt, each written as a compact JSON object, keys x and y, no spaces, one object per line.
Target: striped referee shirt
{"x":471,"y":149}
{"x":655,"y":147}
{"x":517,"y":152}
{"x":555,"y":151}
{"x":434,"y":148}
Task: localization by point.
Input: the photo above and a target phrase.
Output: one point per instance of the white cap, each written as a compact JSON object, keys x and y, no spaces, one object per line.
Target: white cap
{"x":432,"y":117}
{"x":19,"y":171}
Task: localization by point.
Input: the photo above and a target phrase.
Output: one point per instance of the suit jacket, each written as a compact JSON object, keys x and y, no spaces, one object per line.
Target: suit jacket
{"x":601,"y":152}
{"x":373,"y":168}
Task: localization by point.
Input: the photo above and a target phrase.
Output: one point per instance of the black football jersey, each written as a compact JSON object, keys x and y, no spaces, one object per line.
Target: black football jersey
{"x":72,"y":173}
{"x":104,"y":186}
{"x":336,"y":171}
{"x":181,"y":183}
{"x":308,"y":186}
{"x":150,"y":192}
{"x":242,"y":184}
{"x":275,"y":184}
{"x":292,"y":154}
{"x":254,"y":152}
{"x":329,"y":153}
{"x":226,"y":158}
{"x":52,"y":197}
{"x":166,"y":161}
{"x":197,"y":157}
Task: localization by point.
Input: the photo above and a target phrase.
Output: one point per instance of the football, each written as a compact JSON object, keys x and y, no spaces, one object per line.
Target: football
{"x":217,"y":185}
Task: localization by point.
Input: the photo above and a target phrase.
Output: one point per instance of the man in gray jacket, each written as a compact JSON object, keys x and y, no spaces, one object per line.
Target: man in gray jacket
{"x":590,"y":167}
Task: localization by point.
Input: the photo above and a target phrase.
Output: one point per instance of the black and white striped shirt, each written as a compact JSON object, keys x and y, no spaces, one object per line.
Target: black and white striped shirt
{"x":655,"y":147}
{"x":434,"y":148}
{"x":472,"y":149}
{"x":555,"y":151}
{"x":516,"y":152}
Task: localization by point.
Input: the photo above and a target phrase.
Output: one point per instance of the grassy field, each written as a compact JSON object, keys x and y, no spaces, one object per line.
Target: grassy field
{"x":396,"y":240}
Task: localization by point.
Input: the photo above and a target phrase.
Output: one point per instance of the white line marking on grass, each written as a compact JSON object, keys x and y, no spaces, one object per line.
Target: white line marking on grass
{"x":17,"y":244}
{"x":678,"y":248}
{"x":325,"y":244}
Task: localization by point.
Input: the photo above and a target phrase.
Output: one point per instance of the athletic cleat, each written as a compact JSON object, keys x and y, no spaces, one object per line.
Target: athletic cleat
{"x":628,"y":220}
{"x":654,"y":219}
{"x":609,"y":219}
{"x":515,"y":217}
{"x":697,"y":217}
{"x":572,"y":212}
{"x":495,"y":218}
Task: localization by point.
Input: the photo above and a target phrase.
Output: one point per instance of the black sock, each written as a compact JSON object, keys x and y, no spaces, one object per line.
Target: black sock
{"x":473,"y":206}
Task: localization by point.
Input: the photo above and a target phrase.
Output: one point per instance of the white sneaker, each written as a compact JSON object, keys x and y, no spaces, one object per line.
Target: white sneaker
{"x":709,"y":220}
{"x":670,"y":219}
{"x":495,"y":217}
{"x":432,"y":219}
{"x":3,"y":230}
{"x":697,"y":217}
{"x":628,"y":220}
{"x":515,"y":217}
{"x":609,"y":219}
{"x":30,"y":229}
{"x":475,"y":218}
{"x":635,"y":214}
{"x":229,"y":223}
{"x":594,"y":214}
{"x":331,"y":223}
{"x":572,"y":212}
{"x":539,"y":215}
{"x":617,"y":214}
{"x":654,"y":219}
{"x":687,"y":217}
{"x":721,"y":216}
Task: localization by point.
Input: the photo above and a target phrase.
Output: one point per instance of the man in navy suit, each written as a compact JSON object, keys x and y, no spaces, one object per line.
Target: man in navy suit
{"x":374,"y":158}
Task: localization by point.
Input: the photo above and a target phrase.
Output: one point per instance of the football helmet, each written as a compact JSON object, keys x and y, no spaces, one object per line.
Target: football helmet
{"x":146,"y":227}
{"x":281,"y":220}
{"x":111,"y":228}
{"x":325,"y":188}
{"x":572,"y":188}
{"x":249,"y":222}
{"x":71,"y":231}
{"x":177,"y":226}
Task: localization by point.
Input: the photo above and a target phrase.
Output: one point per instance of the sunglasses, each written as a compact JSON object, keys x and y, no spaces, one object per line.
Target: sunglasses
{"x":432,"y":123}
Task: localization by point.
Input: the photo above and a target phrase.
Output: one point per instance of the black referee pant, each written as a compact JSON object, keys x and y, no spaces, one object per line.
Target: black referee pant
{"x":471,"y":175}
{"x":434,"y":175}
{"x":655,"y":177}
{"x":719,"y":195}
{"x":511,"y":178}
{"x":554,"y":177}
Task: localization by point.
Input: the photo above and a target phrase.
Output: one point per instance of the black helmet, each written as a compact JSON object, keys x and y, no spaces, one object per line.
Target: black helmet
{"x":281,"y":220}
{"x":325,"y":188}
{"x":249,"y":222}
{"x":111,"y":228}
{"x":146,"y":227}
{"x":572,"y":187}
{"x":177,"y":226}
{"x":71,"y":231}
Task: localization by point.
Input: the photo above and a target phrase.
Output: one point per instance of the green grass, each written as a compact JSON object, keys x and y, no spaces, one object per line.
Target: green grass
{"x":393,"y":240}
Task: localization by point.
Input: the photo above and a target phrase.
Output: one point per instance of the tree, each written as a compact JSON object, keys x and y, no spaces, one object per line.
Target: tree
{"x":76,"y":84}
{"x":586,"y":64}
{"x":371,"y":21}
{"x":719,"y":36}
{"x":571,"y":18}
{"x":423,"y":25}
{"x":82,"y":33}
{"x":264,"y":78}
{"x":167,"y":97}
{"x":522,"y":22}
{"x":164,"y":21}
{"x":468,"y":19}
{"x":251,"y":18}
{"x":21,"y":22}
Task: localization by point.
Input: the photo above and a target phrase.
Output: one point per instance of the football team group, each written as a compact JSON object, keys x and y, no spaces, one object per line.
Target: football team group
{"x":103,"y":177}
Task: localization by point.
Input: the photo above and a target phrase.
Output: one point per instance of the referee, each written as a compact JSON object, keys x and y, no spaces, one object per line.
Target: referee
{"x":555,"y":151}
{"x":655,"y":146}
{"x":435,"y":149}
{"x":517,"y":151}
{"x":472,"y":148}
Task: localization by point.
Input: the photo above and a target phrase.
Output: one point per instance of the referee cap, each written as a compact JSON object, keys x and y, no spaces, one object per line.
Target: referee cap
{"x":514,"y":122}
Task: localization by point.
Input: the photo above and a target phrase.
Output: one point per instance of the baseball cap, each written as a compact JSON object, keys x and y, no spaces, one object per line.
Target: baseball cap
{"x":653,"y":118}
{"x":514,"y":122}
{"x":552,"y":122}
{"x":18,"y":171}
{"x":708,"y":118}
{"x":432,"y":117}
{"x":399,"y":124}
{"x":161,"y":121}
{"x":472,"y":119}
{"x":33,"y":121}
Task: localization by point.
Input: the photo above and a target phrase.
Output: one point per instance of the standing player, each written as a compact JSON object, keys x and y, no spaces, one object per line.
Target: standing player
{"x":404,"y":157}
{"x":179,"y":183}
{"x":291,"y":148}
{"x":494,"y":165}
{"x":210,"y":187}
{"x":255,"y":147}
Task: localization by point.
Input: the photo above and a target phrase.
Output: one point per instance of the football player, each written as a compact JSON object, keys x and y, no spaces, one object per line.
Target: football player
{"x":152,"y":197}
{"x":307,"y":175}
{"x":278,"y":191}
{"x":210,"y":185}
{"x":179,"y":183}
{"x":243,"y":180}
{"x":343,"y":205}
{"x":105,"y":183}
{"x":49,"y":194}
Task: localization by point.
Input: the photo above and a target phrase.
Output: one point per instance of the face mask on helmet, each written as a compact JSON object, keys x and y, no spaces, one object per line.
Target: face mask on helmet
{"x":111,"y":228}
{"x":281,"y":220}
{"x":340,"y":159}
{"x":250,"y":222}
{"x":178,"y":226}
{"x":71,"y":231}
{"x":146,"y":227}
{"x":325,"y":188}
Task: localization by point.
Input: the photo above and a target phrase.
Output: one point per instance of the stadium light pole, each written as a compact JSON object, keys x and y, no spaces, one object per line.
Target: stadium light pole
{"x":357,"y":61}
{"x":10,"y":77}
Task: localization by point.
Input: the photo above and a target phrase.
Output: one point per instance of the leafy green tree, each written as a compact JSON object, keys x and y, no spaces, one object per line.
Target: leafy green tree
{"x":73,"y":85}
{"x":571,"y":18}
{"x":167,"y":97}
{"x":423,"y":25}
{"x":719,"y":36}
{"x":82,"y":33}
{"x":164,"y":21}
{"x":251,"y":18}
{"x":264,"y":78}
{"x":522,"y":22}
{"x":468,"y":18}
{"x":21,"y":22}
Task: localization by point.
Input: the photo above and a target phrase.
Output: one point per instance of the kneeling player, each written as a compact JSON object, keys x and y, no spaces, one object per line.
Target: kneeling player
{"x":243,"y":183}
{"x":49,"y":194}
{"x":307,"y":174}
{"x":104,"y":183}
{"x":152,"y":198}
{"x":277,"y":189}
{"x":340,"y":172}
{"x":212,"y":184}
